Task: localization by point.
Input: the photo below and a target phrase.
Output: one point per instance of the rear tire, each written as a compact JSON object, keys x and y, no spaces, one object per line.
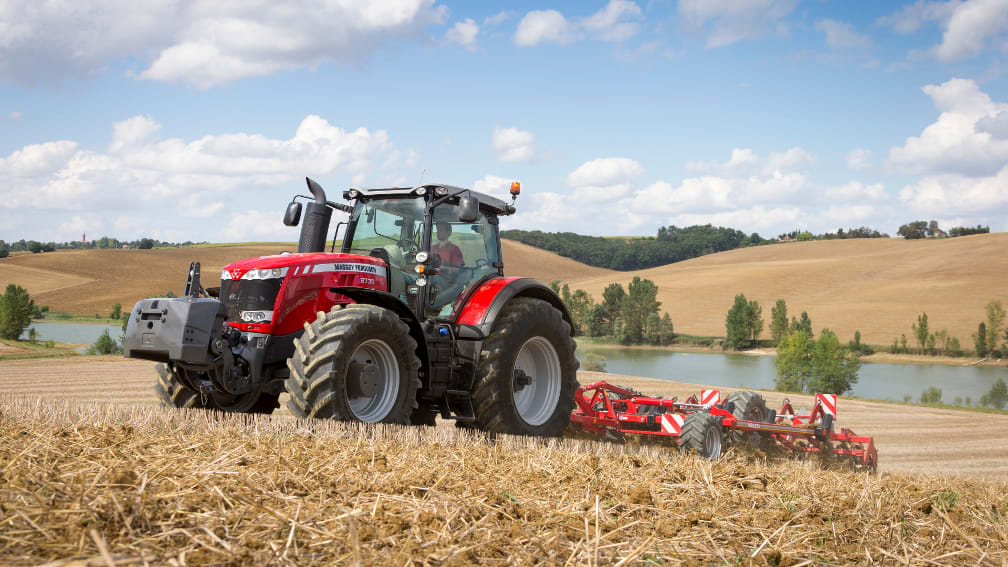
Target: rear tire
{"x":174,"y":394}
{"x":355,"y":363}
{"x":529,"y":348}
{"x":749,"y":406}
{"x":702,"y":431}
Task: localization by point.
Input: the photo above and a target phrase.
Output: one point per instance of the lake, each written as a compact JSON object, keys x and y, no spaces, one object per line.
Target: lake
{"x":80,"y":333}
{"x":877,"y":381}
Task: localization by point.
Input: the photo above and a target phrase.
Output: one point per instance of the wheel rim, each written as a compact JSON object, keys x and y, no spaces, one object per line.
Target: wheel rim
{"x":376,"y":408}
{"x":536,"y":401}
{"x":712,"y":442}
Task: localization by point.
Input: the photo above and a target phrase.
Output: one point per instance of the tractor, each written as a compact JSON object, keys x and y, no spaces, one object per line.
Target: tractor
{"x":412,"y":319}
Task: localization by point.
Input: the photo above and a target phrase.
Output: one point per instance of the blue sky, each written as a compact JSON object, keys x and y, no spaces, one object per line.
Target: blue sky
{"x":198,"y":120}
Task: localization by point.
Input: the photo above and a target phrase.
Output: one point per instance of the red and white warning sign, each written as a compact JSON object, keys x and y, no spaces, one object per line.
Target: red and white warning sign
{"x":672,"y":423}
{"x":709,"y":397}
{"x":828,"y":402}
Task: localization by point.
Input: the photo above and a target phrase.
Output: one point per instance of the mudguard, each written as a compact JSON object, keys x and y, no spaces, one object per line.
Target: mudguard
{"x":483,"y":306}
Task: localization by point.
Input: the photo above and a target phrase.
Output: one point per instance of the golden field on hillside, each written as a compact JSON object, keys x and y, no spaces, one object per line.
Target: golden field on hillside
{"x":877,"y":286}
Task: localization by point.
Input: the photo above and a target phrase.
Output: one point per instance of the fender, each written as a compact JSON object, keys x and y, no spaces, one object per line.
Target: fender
{"x":484,"y":305}
{"x":392,"y":303}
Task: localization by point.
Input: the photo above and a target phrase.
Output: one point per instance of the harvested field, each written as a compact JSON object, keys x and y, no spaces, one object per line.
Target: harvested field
{"x":114,"y":485}
{"x":85,"y":282}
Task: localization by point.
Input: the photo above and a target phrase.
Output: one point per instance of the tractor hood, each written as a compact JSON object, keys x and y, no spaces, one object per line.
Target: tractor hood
{"x":279,"y":266}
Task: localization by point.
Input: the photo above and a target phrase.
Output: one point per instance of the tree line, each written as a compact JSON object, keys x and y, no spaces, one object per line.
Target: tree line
{"x":671,"y":244}
{"x":930,"y":229}
{"x":629,"y":316}
{"x":36,"y":247}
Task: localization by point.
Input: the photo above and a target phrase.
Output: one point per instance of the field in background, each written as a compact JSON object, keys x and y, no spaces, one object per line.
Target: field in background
{"x":124,"y":485}
{"x":877,"y":286}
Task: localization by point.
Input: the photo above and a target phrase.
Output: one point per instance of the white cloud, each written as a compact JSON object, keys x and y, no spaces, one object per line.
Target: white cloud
{"x":464,"y":33}
{"x":972,"y":27}
{"x":604,"y":172}
{"x":995,"y":125}
{"x":175,"y":181}
{"x":16,"y":115}
{"x":859,"y":158}
{"x":611,"y":23}
{"x":729,"y":21}
{"x":498,"y":18}
{"x":245,"y":226}
{"x":912,"y":16}
{"x":493,"y":185}
{"x":204,"y":42}
{"x":841,"y":35}
{"x":954,"y":144}
{"x":857,"y":191}
{"x":512,"y":144}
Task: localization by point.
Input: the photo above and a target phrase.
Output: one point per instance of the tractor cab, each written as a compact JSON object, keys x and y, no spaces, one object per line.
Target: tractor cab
{"x":437,"y":242}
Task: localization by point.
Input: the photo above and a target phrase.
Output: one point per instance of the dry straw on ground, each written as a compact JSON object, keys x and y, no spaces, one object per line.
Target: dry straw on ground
{"x":100,"y":485}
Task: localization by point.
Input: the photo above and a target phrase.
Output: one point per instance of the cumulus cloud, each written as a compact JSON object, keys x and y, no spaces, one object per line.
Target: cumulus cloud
{"x":614,"y":22}
{"x":963,"y":155}
{"x":911,"y":17}
{"x":857,"y":191}
{"x":972,"y":26}
{"x":841,"y":35}
{"x":144,"y":172}
{"x":603,"y":179}
{"x":728,"y":21}
{"x":958,"y":142}
{"x":512,"y":144}
{"x":204,"y":43}
{"x":859,"y":158}
{"x":463,"y":33}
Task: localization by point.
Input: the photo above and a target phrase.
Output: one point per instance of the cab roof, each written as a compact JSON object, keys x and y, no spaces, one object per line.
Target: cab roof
{"x":488,"y":203}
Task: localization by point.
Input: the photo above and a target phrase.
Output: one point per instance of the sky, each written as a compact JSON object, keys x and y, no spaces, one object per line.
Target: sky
{"x":200,"y":120}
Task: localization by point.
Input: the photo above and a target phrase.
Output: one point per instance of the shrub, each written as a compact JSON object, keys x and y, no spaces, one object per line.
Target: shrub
{"x":931,"y":396}
{"x":105,"y":345}
{"x":16,"y":309}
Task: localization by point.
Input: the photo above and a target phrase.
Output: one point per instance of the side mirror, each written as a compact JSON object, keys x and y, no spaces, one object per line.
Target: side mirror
{"x":468,"y":208}
{"x":293,"y":215}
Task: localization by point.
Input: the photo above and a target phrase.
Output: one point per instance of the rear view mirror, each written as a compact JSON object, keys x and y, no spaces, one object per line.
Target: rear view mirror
{"x":468,"y":208}
{"x":293,"y":215}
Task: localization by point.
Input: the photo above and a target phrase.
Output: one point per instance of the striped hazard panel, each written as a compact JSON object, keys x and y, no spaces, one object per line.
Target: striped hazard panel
{"x":671,"y":423}
{"x":828,"y":402}
{"x":710,"y":397}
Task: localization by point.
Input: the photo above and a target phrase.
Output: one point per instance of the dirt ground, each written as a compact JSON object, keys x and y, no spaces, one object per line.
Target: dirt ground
{"x":910,"y":439}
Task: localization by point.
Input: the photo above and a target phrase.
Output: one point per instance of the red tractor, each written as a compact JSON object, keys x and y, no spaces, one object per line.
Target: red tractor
{"x":411,"y":319}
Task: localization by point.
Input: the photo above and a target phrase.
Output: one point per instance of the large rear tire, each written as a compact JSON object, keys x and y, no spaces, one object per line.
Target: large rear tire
{"x":527,"y":373}
{"x":355,"y":363}
{"x":702,"y":431}
{"x":749,"y":406}
{"x":174,"y":394}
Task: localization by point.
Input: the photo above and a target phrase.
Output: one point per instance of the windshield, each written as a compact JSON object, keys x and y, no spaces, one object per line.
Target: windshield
{"x":387,"y":223}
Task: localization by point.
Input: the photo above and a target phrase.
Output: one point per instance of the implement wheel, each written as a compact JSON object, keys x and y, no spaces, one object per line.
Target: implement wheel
{"x":749,"y":406}
{"x":174,"y":394}
{"x":355,"y":363}
{"x":527,"y":372}
{"x":702,"y":431}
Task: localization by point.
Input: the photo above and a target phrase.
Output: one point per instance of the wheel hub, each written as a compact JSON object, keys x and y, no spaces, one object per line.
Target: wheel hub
{"x":521,"y":379}
{"x":362,"y":380}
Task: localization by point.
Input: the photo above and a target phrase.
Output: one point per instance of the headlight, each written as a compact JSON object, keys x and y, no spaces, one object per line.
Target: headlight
{"x":441,"y":191}
{"x":277,"y":272}
{"x":421,"y":257}
{"x":421,"y":281}
{"x":421,"y":191}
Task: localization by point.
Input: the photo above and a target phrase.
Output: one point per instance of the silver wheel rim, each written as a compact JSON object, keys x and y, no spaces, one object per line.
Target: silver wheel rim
{"x":537,"y":401}
{"x":377,"y":408}
{"x":712,"y":441}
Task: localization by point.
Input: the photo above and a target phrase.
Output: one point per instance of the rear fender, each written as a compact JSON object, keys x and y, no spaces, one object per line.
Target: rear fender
{"x":388,"y":301}
{"x":485,"y":304}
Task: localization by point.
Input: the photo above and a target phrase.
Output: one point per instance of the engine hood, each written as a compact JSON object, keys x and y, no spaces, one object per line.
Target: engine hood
{"x":282,"y":265}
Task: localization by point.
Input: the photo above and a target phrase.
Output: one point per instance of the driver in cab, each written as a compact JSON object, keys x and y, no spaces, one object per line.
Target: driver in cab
{"x":446,"y":251}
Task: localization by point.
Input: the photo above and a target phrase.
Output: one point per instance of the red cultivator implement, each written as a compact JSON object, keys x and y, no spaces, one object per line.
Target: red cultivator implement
{"x":703,"y":422}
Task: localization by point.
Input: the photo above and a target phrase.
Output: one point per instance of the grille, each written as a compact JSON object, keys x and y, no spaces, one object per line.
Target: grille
{"x":248,"y":295}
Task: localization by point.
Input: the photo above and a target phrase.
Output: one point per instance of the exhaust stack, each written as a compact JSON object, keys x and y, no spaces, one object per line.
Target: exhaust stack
{"x":316,"y":221}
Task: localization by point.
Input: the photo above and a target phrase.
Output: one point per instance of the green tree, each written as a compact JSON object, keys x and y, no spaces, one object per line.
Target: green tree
{"x":903,"y":343}
{"x":920,"y":329}
{"x":954,"y":349}
{"x":598,"y":323}
{"x":855,"y":344}
{"x":794,"y":363}
{"x":32,"y":335}
{"x":834,"y":368}
{"x":995,"y":319}
{"x":931,"y":396}
{"x":942,"y":341}
{"x":754,"y":319}
{"x":980,"y":340}
{"x":105,"y":345}
{"x":16,"y":308}
{"x":778,"y":321}
{"x":116,"y":311}
{"x":580,"y":304}
{"x":612,"y":297}
{"x":640,"y":302}
{"x":804,"y":324}
{"x":997,"y":397}
{"x":737,"y":325}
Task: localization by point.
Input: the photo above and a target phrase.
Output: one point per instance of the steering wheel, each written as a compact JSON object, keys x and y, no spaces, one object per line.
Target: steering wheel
{"x":408,"y":247}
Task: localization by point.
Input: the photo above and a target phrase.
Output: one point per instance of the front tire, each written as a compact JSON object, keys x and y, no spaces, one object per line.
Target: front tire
{"x":355,"y":363}
{"x":174,"y":394}
{"x":527,"y":372}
